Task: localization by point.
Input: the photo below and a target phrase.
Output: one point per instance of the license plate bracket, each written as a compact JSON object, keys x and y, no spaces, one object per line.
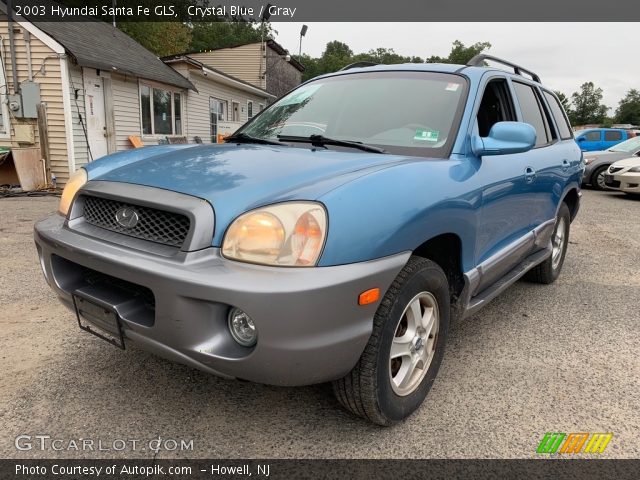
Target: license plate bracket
{"x":99,"y":320}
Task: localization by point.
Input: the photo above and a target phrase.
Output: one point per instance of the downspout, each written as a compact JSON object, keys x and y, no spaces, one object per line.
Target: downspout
{"x":27,"y":40}
{"x":12,"y":48}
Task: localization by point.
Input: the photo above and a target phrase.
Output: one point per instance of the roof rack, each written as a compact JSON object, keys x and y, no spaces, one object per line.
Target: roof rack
{"x":478,"y":61}
{"x":358,"y":65}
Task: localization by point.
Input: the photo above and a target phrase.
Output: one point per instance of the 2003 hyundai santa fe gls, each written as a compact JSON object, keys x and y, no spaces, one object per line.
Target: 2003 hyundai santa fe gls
{"x":333,"y":237}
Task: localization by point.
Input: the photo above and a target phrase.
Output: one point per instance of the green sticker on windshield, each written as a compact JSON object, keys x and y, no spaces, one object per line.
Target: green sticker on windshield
{"x":426,"y":135}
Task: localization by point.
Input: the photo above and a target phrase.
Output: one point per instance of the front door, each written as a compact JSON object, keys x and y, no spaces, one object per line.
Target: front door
{"x":504,"y":226}
{"x":95,"y":114}
{"x":236,"y":111}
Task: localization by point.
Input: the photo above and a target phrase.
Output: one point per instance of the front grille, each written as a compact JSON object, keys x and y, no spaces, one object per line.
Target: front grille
{"x":167,"y":228}
{"x":615,"y":169}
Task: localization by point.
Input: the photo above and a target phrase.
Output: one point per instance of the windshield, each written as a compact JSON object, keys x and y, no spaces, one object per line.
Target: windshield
{"x":408,"y":113}
{"x":629,"y":146}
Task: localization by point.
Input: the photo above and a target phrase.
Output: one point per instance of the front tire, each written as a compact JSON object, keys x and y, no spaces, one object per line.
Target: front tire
{"x":403,"y":355}
{"x":548,"y":271}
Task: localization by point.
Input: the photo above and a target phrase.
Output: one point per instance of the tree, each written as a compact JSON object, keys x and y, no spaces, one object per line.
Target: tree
{"x":337,"y":49}
{"x":564,"y":100}
{"x":338,"y":55}
{"x":628,"y":110}
{"x":587,"y":106}
{"x":161,"y":38}
{"x":227,"y":33}
{"x":460,"y":54}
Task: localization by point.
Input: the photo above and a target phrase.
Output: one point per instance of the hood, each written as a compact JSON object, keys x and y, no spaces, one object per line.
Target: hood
{"x":628,"y":162}
{"x":238,"y":178}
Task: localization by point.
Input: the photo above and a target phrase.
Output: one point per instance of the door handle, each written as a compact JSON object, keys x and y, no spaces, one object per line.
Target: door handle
{"x":565,"y":165}
{"x":529,"y":174}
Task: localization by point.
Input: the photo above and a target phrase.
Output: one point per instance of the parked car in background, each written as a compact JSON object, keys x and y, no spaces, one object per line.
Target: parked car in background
{"x":596,"y":139}
{"x":597,"y":163}
{"x":624,"y":175}
{"x":331,"y":238}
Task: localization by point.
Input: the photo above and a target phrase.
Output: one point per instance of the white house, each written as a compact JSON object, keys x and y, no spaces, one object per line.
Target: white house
{"x":101,"y":88}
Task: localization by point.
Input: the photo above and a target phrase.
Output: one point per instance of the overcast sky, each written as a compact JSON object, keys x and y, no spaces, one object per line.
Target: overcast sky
{"x":565,"y":55}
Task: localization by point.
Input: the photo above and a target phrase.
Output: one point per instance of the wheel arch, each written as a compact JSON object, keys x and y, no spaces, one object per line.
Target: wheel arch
{"x":572,"y":199}
{"x":445,"y":249}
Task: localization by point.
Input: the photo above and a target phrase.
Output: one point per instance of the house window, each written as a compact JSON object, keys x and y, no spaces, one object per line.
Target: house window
{"x":250,"y":109}
{"x":145,"y":96}
{"x":261,"y":107}
{"x":217,"y":112}
{"x":160,"y":110}
{"x":177,"y":114}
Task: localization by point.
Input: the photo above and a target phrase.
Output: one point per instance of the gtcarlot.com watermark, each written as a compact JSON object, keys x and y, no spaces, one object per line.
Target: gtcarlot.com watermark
{"x":42,"y":442}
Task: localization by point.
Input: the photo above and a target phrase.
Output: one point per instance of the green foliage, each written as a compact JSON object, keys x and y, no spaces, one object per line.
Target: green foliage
{"x":227,"y":33}
{"x":161,"y":38}
{"x":587,"y":106}
{"x":564,"y":100}
{"x":338,"y":55}
{"x":607,"y":122}
{"x":460,"y":54}
{"x":628,"y":110}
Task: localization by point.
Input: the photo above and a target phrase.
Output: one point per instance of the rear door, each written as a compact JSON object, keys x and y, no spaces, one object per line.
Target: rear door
{"x":611,"y":138}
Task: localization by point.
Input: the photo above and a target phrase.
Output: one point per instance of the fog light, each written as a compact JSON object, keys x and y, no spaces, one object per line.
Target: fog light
{"x":242,"y":328}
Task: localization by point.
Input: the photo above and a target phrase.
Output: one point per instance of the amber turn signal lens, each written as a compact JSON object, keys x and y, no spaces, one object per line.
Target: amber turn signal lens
{"x":370,"y":296}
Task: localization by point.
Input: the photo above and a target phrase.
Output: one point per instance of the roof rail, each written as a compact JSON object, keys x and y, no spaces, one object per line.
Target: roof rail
{"x":358,"y":65}
{"x":478,"y":61}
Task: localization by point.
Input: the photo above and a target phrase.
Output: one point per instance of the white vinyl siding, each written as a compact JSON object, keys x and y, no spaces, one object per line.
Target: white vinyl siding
{"x":126,"y":110}
{"x":50,"y":82}
{"x":242,"y":62}
{"x":198,"y":114}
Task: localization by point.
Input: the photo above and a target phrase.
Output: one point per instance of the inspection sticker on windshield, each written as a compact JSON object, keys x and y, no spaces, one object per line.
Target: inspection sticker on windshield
{"x":452,"y":87}
{"x":426,"y":135}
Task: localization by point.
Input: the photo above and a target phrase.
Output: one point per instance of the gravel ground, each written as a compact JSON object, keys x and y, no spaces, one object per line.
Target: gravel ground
{"x":539,"y":358}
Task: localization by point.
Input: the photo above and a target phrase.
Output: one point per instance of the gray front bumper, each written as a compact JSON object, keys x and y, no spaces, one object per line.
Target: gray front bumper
{"x":310,"y":326}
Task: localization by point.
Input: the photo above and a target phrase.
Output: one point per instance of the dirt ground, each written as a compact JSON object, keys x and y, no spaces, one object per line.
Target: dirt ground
{"x":561,"y":358}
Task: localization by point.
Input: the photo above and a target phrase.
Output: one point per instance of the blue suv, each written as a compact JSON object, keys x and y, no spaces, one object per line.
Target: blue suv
{"x":334,"y":237}
{"x":596,"y":139}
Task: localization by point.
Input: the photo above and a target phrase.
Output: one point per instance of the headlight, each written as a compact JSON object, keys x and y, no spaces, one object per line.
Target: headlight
{"x":77,"y":180}
{"x":288,"y":234}
{"x":588,"y":160}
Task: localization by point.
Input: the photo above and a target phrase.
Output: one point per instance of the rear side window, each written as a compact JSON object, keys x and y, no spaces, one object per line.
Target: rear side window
{"x":559,"y":116}
{"x":612,"y":135}
{"x":531,"y":112}
{"x":592,"y":136}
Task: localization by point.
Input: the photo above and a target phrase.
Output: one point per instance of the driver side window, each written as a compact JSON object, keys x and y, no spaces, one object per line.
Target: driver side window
{"x":496,"y":106}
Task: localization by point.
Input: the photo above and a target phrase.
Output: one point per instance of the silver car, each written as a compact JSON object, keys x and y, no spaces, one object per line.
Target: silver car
{"x":598,"y":162}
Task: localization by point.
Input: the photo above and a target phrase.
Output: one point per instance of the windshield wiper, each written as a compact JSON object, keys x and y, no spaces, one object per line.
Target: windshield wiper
{"x":321,"y":140}
{"x":244,"y":138}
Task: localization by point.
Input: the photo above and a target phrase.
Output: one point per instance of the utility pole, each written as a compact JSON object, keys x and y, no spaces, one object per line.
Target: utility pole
{"x":303,"y":32}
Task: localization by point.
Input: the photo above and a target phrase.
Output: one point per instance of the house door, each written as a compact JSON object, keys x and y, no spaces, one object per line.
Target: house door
{"x":95,"y":113}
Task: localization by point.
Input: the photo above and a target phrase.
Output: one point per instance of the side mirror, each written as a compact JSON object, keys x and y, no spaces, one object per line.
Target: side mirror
{"x":505,"y":138}
{"x":581,"y":139}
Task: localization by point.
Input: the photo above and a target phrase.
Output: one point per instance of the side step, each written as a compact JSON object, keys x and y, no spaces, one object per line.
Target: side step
{"x":488,"y":294}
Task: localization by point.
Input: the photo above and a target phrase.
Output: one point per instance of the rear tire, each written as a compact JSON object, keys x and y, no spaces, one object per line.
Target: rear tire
{"x":413,"y":319}
{"x":548,"y":271}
